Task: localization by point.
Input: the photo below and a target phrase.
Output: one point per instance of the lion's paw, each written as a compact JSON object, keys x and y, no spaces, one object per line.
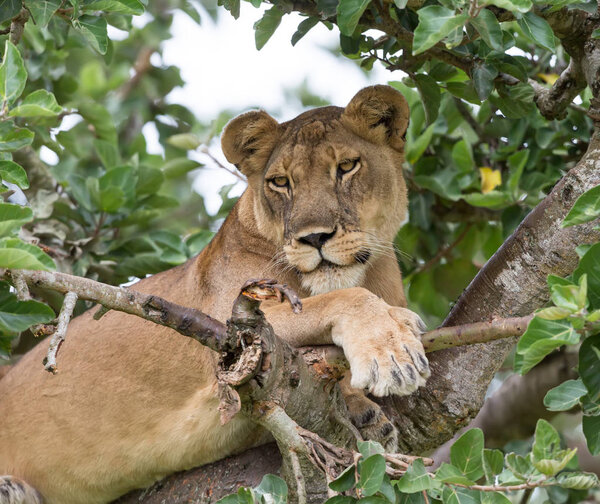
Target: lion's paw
{"x":368,"y":417}
{"x":385,"y":352}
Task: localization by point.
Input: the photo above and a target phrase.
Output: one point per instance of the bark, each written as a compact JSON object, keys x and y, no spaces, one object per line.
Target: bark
{"x":514,"y":409}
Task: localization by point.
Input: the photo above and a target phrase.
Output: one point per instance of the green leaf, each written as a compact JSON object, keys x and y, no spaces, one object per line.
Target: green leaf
{"x":345,"y":481}
{"x":93,"y":29}
{"x":40,"y":103}
{"x":12,"y":217}
{"x":467,"y":454}
{"x":483,"y":78}
{"x":266,"y":26}
{"x":12,"y":138}
{"x":100,"y":119}
{"x":589,"y":265}
{"x":511,"y":5}
{"x":387,"y":490}
{"x":541,"y":338}
{"x":196,"y":242}
{"x":134,"y":7}
{"x":13,"y":173}
{"x":462,"y":155}
{"x":546,"y":453}
{"x":21,"y":255}
{"x":185,"y":141}
{"x":520,"y":466}
{"x":414,"y":498}
{"x":349,"y":13}
{"x":493,"y":464}
{"x":371,"y":472}
{"x":12,"y":74}
{"x":42,"y":10}
{"x":488,"y":27}
{"x":494,"y":498}
{"x":368,"y":448}
{"x":447,"y":473}
{"x":553,"y":313}
{"x":430,"y":94}
{"x":591,"y":430}
{"x":589,"y":366}
{"x":303,"y":28}
{"x":179,"y":166}
{"x":229,"y":499}
{"x":570,"y":297}
{"x":274,"y":487}
{"x":538,"y":30}
{"x":435,"y":23}
{"x":9,"y":9}
{"x":416,"y":147}
{"x":492,"y":199}
{"x":453,"y":495}
{"x":415,"y":479}
{"x":107,"y":152}
{"x":17,"y":316}
{"x":565,"y":396}
{"x":585,"y":209}
{"x":341,"y":499}
{"x":578,"y":480}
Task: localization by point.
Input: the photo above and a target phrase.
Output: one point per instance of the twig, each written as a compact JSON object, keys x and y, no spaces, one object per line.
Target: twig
{"x":500,"y":488}
{"x":466,"y":113}
{"x":17,"y":26}
{"x":443,"y":252}
{"x":235,"y":173}
{"x":20,"y":286}
{"x":141,"y":66}
{"x":23,"y":294}
{"x":300,"y":486}
{"x":61,"y":331}
{"x":479,"y":332}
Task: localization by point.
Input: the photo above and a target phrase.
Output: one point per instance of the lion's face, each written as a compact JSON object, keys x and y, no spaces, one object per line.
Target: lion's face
{"x":328,"y":187}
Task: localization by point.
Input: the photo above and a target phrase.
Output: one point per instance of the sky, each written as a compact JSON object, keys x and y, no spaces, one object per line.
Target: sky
{"x":223,"y":70}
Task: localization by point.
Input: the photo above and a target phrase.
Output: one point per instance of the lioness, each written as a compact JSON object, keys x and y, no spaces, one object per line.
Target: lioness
{"x":134,"y":401}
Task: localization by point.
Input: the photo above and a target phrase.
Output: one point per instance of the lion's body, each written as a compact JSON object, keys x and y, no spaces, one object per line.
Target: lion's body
{"x":134,"y":401}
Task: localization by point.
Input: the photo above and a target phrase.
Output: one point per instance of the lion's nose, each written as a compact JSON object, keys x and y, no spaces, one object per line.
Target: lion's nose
{"x":316,"y":240}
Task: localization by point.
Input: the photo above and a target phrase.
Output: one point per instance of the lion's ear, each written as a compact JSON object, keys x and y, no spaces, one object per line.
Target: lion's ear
{"x":248,"y":141}
{"x":379,"y":114}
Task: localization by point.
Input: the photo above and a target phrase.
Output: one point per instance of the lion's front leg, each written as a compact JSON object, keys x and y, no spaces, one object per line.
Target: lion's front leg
{"x":381,"y":342}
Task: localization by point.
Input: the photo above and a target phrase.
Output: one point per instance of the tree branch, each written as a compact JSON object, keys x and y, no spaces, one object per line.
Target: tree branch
{"x":553,"y":102}
{"x":59,"y":335}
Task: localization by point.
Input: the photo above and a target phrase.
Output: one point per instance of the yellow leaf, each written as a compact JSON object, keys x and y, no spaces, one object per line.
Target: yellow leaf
{"x":490,"y":179}
{"x":548,"y":78}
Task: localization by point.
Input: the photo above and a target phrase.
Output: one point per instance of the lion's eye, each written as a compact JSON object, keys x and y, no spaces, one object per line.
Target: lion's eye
{"x":347,"y":166}
{"x":280,"y":182}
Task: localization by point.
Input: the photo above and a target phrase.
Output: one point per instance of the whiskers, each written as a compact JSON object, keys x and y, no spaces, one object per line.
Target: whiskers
{"x":277,"y":266}
{"x":383,"y":248}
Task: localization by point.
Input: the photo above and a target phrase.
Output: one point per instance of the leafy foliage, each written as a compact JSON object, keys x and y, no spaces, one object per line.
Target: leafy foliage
{"x":475,"y":475}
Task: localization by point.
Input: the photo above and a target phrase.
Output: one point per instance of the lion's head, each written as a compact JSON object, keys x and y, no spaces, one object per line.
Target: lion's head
{"x":327,"y":186}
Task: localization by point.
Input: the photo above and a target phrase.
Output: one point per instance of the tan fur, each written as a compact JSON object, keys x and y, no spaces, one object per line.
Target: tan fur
{"x":134,"y":401}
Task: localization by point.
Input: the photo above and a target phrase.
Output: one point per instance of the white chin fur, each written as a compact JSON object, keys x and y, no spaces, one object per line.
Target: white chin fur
{"x":323,"y":280}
